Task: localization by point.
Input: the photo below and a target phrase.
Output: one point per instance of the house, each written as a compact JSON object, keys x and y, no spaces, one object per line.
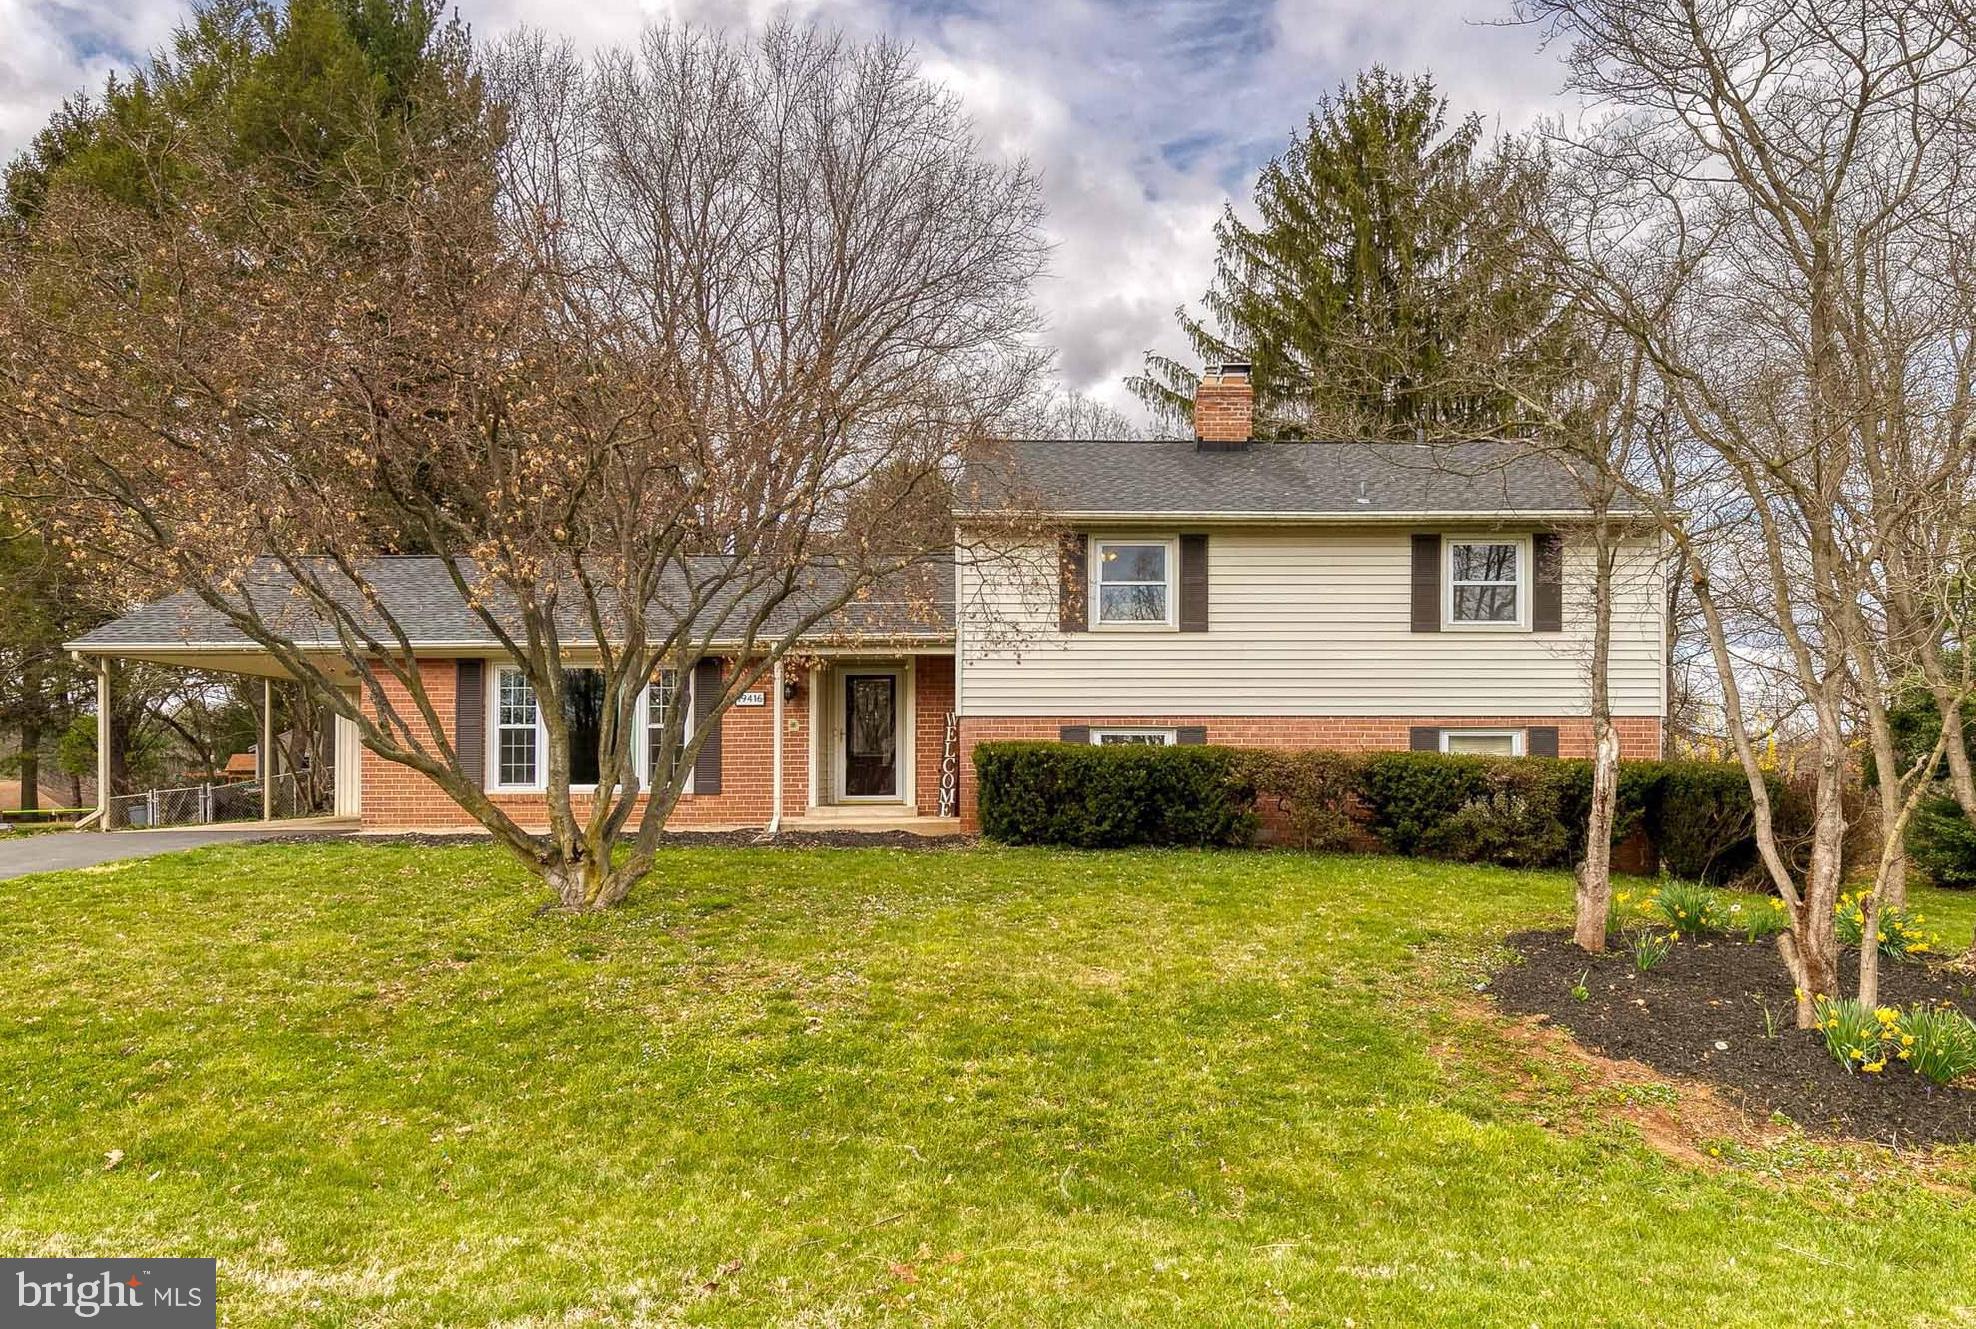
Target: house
{"x":1341,"y":595}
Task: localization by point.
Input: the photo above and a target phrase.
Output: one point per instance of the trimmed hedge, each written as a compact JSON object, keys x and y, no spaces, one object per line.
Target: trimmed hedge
{"x":1086,"y":796}
{"x":1524,"y":812}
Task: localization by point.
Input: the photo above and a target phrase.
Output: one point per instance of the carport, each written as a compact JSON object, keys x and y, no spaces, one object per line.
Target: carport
{"x":195,"y":805}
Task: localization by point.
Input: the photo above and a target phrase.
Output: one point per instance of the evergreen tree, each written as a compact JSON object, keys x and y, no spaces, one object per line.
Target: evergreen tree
{"x":1385,"y":288}
{"x":312,"y":94}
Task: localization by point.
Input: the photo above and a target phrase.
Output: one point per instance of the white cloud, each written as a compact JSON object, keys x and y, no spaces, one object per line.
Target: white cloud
{"x":53,"y":50}
{"x":1142,"y":119}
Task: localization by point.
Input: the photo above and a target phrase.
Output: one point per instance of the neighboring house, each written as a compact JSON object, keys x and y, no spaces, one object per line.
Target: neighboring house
{"x":1296,"y":595}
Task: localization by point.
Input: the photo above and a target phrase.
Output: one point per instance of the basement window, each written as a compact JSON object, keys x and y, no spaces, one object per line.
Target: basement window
{"x":1483,"y":742}
{"x":1156,"y":738}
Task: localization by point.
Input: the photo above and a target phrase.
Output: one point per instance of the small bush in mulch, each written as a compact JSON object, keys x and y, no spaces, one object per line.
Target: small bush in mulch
{"x":1720,"y":1009}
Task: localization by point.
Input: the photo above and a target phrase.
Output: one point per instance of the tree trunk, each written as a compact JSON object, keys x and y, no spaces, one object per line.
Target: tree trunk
{"x":577,"y":881}
{"x":1892,"y":881}
{"x":30,"y":765}
{"x":1869,"y":951}
{"x":1594,"y":895}
{"x":1595,"y":872}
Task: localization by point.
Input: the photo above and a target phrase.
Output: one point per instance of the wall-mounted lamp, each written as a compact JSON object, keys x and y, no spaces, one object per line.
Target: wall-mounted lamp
{"x":789,"y":689}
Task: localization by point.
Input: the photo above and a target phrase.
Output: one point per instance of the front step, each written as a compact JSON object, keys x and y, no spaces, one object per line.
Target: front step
{"x":878,"y":817}
{"x":858,"y":812}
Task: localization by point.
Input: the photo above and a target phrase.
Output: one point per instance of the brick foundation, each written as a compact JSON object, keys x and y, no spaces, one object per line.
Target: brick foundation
{"x":1639,"y":736}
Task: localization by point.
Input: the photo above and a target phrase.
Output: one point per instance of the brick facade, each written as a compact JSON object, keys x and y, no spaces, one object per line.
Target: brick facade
{"x":1639,"y":736}
{"x":397,"y":798}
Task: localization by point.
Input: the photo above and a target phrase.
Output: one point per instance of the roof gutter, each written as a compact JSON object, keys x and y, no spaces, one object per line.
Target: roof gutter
{"x":878,"y":644}
{"x":1311,"y":518}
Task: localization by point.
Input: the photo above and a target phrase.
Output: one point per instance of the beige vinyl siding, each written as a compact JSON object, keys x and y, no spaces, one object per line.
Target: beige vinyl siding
{"x":1302,"y":621}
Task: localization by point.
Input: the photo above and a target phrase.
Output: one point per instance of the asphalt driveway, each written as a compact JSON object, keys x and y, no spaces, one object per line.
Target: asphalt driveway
{"x":56,"y":850}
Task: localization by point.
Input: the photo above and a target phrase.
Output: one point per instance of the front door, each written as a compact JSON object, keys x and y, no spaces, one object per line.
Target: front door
{"x":871,"y":735}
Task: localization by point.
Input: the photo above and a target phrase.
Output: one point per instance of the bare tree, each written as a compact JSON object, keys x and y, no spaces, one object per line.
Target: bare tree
{"x":1765,"y":213}
{"x":625,"y":365}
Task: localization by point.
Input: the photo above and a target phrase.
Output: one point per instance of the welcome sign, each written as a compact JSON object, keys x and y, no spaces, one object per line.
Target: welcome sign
{"x":137,"y":1294}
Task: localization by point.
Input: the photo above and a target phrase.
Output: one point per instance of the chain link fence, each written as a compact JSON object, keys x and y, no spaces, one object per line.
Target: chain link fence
{"x":204,"y":804}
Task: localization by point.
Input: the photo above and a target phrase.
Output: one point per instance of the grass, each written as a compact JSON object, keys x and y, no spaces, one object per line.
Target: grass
{"x":873,"y":1087}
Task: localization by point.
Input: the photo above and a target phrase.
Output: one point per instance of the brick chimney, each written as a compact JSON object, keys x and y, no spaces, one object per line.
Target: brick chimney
{"x":1224,"y":408}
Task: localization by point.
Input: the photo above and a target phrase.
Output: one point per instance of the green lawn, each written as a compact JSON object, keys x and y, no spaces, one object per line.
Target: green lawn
{"x":846,"y":1088}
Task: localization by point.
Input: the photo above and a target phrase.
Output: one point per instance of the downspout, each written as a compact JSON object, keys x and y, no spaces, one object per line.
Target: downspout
{"x":775,"y":763}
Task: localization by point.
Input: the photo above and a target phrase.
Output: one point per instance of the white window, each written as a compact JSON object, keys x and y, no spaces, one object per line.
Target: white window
{"x":1483,"y":742}
{"x":1132,"y":583}
{"x":520,"y":738}
{"x":660,"y":698}
{"x":1488,"y":583}
{"x":1154,"y":738}
{"x":515,"y":729}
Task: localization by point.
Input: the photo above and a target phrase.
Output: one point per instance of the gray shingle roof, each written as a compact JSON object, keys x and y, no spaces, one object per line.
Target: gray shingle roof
{"x":915,"y":606}
{"x":1328,"y":480}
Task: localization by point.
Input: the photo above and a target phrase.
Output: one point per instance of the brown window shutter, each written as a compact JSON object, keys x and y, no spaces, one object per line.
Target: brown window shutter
{"x":1073,"y":583}
{"x":706,"y":694}
{"x":1191,"y":736}
{"x":1193,"y":583}
{"x":1423,"y":740}
{"x":470,"y":720}
{"x":1540,"y":741}
{"x":1426,"y":583}
{"x":1547,"y":583}
{"x":1075,"y":733}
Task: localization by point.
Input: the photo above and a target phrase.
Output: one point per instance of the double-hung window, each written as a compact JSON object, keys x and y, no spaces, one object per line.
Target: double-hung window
{"x":660,"y":699}
{"x":1488,"y":583}
{"x":521,"y":740}
{"x":1132,"y":583}
{"x":516,"y":729}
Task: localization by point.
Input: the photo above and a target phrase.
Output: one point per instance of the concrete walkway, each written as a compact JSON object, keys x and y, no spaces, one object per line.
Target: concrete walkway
{"x":54,"y":851}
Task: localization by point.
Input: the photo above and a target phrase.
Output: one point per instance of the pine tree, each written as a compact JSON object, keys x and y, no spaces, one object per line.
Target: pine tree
{"x":311,"y":93}
{"x":1384,"y":290}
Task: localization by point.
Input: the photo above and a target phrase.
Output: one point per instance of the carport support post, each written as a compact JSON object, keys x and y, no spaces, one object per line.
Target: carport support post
{"x":267,"y":749}
{"x":103,"y":744}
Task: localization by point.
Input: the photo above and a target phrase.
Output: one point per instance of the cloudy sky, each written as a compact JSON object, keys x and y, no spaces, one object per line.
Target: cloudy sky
{"x":1143,"y":116}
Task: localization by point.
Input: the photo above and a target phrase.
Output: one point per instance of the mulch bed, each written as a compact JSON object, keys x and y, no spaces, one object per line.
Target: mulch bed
{"x":1700,"y":1014}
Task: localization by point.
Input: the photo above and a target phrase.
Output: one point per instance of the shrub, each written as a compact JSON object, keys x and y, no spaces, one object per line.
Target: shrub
{"x":1312,"y":791}
{"x":1409,"y":796}
{"x":1086,"y":796}
{"x":1942,"y":843}
{"x":1855,"y":1036}
{"x":1939,"y":1042}
{"x":1700,"y":820}
{"x":1902,"y":933}
{"x":1527,"y":812}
